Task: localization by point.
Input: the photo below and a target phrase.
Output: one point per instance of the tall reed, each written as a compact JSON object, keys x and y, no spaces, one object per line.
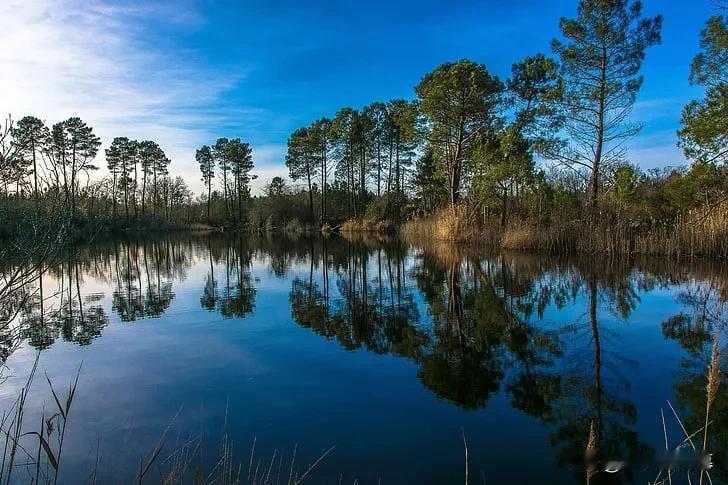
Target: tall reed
{"x":696,"y":233}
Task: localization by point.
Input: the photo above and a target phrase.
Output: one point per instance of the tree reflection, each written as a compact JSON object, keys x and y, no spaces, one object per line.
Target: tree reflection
{"x":484,"y":333}
{"x":234,"y":296}
{"x":594,"y":415}
{"x":73,"y":316}
{"x":370,"y":309}
{"x":143,"y":276}
{"x":58,"y":305}
{"x":473,"y":325}
{"x":705,"y":317}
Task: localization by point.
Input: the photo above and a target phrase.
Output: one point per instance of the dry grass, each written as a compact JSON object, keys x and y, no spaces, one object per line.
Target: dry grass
{"x":200,"y":227}
{"x":521,"y":237}
{"x":35,"y":454}
{"x":455,"y":224}
{"x":711,"y":389}
{"x":696,"y":233}
{"x":353,"y":226}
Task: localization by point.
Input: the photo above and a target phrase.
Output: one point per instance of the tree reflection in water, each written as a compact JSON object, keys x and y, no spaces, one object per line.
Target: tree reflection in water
{"x":481,"y":330}
{"x":235,"y":295}
{"x":706,"y":318}
{"x":473,"y":325}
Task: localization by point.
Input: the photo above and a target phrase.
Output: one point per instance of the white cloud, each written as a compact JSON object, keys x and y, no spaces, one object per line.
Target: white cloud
{"x":90,"y":59}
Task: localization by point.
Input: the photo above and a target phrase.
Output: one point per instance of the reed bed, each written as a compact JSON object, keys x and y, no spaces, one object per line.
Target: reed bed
{"x":353,"y":226}
{"x":459,"y":224}
{"x":696,"y":233}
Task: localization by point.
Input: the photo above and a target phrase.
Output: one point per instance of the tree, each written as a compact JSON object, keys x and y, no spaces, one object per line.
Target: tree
{"x":505,"y":157}
{"x":207,"y":166}
{"x":32,"y":136}
{"x":504,"y":163}
{"x":430,"y":181}
{"x":240,"y":158}
{"x":302,"y":160}
{"x":377,"y":115}
{"x":600,"y":63}
{"x":343,"y":134}
{"x":459,"y":101}
{"x":149,"y":153}
{"x":704,"y":135}
{"x":8,"y":153}
{"x":114,"y":155}
{"x":160,"y":164}
{"x":321,"y":137}
{"x":219,"y":151}
{"x":73,"y":148}
{"x":120,"y":156}
{"x":133,"y":160}
{"x":401,"y":130}
{"x":276,"y":187}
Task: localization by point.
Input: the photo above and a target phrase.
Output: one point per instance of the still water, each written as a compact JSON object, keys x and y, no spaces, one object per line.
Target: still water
{"x":388,"y":352}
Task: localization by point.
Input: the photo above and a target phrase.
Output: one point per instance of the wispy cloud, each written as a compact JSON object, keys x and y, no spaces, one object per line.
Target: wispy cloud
{"x":98,"y":61}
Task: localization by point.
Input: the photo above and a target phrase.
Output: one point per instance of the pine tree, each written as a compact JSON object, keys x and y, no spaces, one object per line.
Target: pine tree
{"x":207,"y":167}
{"x":240,"y":157}
{"x":219,"y":151}
{"x":302,"y":160}
{"x":600,"y":62}
{"x":32,"y":137}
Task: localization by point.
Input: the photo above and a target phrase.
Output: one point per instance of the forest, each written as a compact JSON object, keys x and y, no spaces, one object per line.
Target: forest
{"x":537,"y":161}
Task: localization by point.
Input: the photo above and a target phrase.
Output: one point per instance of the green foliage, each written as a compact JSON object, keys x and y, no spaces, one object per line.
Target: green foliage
{"x":459,"y":101}
{"x":206,"y":161}
{"x":704,"y":135}
{"x":710,"y":66}
{"x":430,"y":181}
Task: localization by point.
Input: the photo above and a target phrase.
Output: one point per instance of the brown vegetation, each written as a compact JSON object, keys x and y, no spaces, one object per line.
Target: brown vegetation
{"x":353,"y":226}
{"x":701,"y":232}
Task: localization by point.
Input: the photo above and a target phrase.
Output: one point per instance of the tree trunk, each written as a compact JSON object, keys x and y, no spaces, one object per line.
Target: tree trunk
{"x":240,"y":202}
{"x":154,"y":189}
{"x":35,"y":173}
{"x":504,"y":208}
{"x":389,"y":170}
{"x":310,"y":194}
{"x":209,"y":196}
{"x":144,"y":190}
{"x":133,"y":198}
{"x":379,"y":168}
{"x":362,"y":179}
{"x":73,"y":182}
{"x":113,"y":192}
{"x":323,"y":184}
{"x":126,"y":191}
{"x":600,"y":137}
{"x":224,"y":191}
{"x":398,"y":181}
{"x":456,"y":167}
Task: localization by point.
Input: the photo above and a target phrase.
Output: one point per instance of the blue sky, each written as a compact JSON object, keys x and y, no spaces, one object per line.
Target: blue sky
{"x":186,"y":72}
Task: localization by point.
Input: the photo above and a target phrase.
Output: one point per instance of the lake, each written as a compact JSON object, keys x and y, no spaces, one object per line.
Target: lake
{"x":390,"y":353}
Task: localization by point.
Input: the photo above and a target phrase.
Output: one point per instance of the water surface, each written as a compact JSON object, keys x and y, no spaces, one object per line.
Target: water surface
{"x":389,"y":352}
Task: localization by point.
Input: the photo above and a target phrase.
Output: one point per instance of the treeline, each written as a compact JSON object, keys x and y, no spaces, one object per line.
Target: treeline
{"x":533,"y":159}
{"x":47,"y":172}
{"x":232,"y":160}
{"x":544,"y":147}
